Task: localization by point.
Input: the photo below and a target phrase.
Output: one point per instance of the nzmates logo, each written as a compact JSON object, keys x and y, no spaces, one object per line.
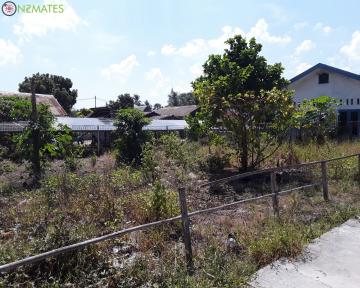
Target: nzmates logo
{"x":8,"y":8}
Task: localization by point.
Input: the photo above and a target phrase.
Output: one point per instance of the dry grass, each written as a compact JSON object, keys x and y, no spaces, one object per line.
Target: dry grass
{"x":100,"y":198}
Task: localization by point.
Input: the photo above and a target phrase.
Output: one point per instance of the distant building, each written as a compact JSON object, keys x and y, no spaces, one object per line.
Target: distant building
{"x":342,"y":85}
{"x":176,"y":112}
{"x":55,"y":108}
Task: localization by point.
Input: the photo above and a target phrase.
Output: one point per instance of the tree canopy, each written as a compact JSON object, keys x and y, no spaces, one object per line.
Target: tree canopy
{"x":14,"y":108}
{"x":242,"y":93}
{"x":181,"y":99}
{"x":123,"y":101}
{"x":58,"y":86}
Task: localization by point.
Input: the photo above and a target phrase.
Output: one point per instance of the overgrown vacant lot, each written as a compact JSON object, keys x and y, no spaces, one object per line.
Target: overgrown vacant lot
{"x":100,"y":198}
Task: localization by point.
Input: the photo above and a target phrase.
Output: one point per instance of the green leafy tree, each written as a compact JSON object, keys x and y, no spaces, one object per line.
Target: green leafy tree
{"x":52,"y":142}
{"x":157,"y":106}
{"x":148,"y":107}
{"x":316,"y":119}
{"x":56,"y":85}
{"x":240,"y":92}
{"x":173,"y":98}
{"x":130,"y":135}
{"x":13,"y":108}
{"x":181,"y":99}
{"x":123,"y":101}
{"x":83,"y":112}
{"x":137,"y":100}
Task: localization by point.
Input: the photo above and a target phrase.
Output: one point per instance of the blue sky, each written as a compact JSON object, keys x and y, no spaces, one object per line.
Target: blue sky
{"x":148,"y":47}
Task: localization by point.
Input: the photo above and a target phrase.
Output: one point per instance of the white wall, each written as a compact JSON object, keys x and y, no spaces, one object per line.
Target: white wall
{"x":339,"y":87}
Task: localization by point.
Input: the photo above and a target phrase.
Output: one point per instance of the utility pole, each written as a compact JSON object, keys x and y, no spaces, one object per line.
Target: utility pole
{"x":95,"y":101}
{"x":34,"y":126}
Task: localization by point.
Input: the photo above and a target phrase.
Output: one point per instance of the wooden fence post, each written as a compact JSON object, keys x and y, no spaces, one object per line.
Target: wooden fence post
{"x":359,"y":166}
{"x":325,"y":180}
{"x":186,"y":231}
{"x":274,"y":189}
{"x":98,"y":140}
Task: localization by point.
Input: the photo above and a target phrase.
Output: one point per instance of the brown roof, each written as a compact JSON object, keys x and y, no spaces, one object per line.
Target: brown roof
{"x":55,"y":108}
{"x":176,"y":111}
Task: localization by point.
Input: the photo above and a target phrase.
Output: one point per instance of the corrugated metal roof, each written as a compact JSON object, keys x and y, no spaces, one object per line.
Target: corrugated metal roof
{"x":55,"y":108}
{"x":101,"y":124}
{"x":86,"y":124}
{"x":176,"y":111}
{"x":164,"y":125}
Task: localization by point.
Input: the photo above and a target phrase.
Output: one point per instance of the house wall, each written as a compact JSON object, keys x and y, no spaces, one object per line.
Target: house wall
{"x":339,"y":87}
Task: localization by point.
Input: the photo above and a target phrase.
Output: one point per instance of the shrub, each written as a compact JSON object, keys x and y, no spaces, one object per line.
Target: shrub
{"x":130,"y":135}
{"x":158,"y":203}
{"x":93,"y":160}
{"x":214,"y":163}
{"x":169,"y":154}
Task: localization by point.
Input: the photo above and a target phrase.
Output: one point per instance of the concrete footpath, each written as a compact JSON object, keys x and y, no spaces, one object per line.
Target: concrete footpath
{"x":333,"y":260}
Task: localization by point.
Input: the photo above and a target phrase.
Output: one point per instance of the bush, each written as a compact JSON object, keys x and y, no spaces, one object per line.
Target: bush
{"x":171,"y":155}
{"x":158,"y":203}
{"x":130,"y":135}
{"x":214,"y":163}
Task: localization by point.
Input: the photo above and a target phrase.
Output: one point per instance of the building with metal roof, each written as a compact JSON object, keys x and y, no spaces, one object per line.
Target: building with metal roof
{"x":176,"y":112}
{"x":344,"y":86}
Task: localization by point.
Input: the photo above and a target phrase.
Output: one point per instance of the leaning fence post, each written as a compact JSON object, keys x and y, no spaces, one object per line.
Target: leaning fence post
{"x":274,"y":190}
{"x":186,"y":231}
{"x":325,"y":180}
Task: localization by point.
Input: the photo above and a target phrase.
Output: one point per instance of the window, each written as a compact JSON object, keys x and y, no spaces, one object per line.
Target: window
{"x":323,"y":78}
{"x":352,"y":101}
{"x":358,"y":101}
{"x":340,"y":101}
{"x":347,"y":101}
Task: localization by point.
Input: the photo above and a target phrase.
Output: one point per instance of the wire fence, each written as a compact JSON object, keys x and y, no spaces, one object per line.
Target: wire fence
{"x":185,"y":215}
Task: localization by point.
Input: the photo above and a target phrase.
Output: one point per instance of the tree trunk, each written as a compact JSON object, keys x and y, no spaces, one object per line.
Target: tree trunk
{"x":244,"y":150}
{"x":36,"y":137}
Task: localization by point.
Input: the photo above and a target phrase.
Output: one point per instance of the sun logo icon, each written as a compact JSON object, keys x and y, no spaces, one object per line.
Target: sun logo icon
{"x":8,"y":8}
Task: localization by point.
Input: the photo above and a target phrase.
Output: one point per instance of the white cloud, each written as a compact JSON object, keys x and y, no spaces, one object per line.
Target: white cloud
{"x":261,"y":33}
{"x":151,"y":53}
{"x":122,"y":70}
{"x":10,"y":53}
{"x":168,"y":49}
{"x":305,"y":46}
{"x":326,"y":29}
{"x":160,"y":85}
{"x":301,"y":67}
{"x":154,"y":74}
{"x":201,"y":46}
{"x":39,"y":24}
{"x":352,"y":50}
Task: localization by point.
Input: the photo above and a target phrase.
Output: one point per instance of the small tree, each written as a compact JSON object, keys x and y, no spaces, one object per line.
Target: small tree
{"x":240,"y":92}
{"x":83,"y":112}
{"x":130,"y":135}
{"x":157,"y":106}
{"x":181,"y":99}
{"x":123,"y":101}
{"x":51,"y":143}
{"x":316,"y":118}
{"x":148,"y":107}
